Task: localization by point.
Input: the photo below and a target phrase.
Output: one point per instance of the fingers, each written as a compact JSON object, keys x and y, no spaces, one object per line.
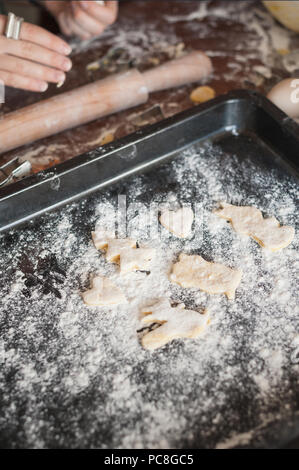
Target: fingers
{"x":25,"y":83}
{"x":31,"y":69}
{"x":39,"y":57}
{"x":85,"y":21}
{"x":33,"y":52}
{"x":39,"y":36}
{"x":73,"y":26}
{"x":105,"y":14}
{"x":30,"y":63}
{"x":42,"y":37}
{"x":64,"y":25}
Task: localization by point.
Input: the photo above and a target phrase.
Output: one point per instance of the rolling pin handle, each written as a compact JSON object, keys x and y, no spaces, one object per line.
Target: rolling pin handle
{"x":190,"y":68}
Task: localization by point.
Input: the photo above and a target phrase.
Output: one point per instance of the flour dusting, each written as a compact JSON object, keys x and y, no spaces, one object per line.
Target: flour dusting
{"x":77,"y":376}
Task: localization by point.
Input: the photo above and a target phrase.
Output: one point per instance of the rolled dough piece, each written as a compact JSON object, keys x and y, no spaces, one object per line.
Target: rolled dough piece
{"x":175,"y":323}
{"x":105,"y":240}
{"x":123,"y":251}
{"x":213,"y":278}
{"x":249,"y":221}
{"x":103,"y":292}
{"x":202,"y":94}
{"x":178,"y":222}
{"x":161,"y":304}
{"x":101,"y":238}
{"x":136,"y":259}
{"x":117,"y":246}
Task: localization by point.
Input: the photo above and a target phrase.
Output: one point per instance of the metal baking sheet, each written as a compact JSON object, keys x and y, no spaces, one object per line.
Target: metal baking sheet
{"x":238,"y":111}
{"x":74,"y":377}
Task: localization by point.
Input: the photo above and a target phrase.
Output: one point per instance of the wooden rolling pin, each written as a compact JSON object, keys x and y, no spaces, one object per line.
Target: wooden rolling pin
{"x":101,"y":98}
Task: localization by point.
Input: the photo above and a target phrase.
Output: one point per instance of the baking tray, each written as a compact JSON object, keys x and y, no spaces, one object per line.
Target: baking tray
{"x":239,"y":112}
{"x":250,"y":146}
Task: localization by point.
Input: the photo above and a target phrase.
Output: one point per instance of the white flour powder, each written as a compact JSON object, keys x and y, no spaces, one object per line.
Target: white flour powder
{"x":73,"y":376}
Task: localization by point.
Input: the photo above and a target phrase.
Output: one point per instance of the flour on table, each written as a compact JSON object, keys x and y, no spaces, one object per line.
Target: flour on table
{"x":214,"y":278}
{"x":178,"y":222}
{"x":249,"y":221}
{"x":103,"y":292}
{"x":175,"y":323}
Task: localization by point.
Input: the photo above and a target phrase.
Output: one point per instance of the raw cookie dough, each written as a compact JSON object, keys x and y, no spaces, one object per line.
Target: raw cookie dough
{"x":249,"y":221}
{"x":175,"y":323}
{"x":113,"y":247}
{"x":101,"y":238}
{"x":103,"y":292}
{"x":136,"y":260}
{"x":178,"y":222}
{"x":123,"y":251}
{"x":117,"y":247}
{"x":214,"y":278}
{"x":202,"y":94}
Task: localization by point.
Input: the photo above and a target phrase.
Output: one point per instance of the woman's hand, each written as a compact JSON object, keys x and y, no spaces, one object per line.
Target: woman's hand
{"x":34,"y":60}
{"x":85,"y":19}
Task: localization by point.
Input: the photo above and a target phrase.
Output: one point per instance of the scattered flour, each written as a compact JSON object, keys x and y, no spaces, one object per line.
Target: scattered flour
{"x":73,"y":376}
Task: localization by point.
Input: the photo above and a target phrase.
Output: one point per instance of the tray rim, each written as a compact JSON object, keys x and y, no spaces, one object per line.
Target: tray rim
{"x":147,"y":131}
{"x":65,"y":169}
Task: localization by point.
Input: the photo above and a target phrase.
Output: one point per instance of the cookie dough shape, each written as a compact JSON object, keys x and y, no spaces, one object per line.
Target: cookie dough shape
{"x":213,"y":278}
{"x":117,"y":247}
{"x":249,"y":221}
{"x":103,"y":292}
{"x":175,"y":323}
{"x":202,"y":94}
{"x":178,"y":222}
{"x":124,"y":252}
{"x":113,"y":247}
{"x":101,"y":238}
{"x":136,"y":260}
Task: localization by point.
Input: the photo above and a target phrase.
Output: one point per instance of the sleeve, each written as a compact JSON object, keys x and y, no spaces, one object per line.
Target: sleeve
{"x":38,"y":4}
{"x":2,"y":9}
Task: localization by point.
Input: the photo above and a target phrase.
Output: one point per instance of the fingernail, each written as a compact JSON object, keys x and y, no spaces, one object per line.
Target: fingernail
{"x":66,"y":49}
{"x":67,"y":65}
{"x":60,"y":77}
{"x":43,"y":86}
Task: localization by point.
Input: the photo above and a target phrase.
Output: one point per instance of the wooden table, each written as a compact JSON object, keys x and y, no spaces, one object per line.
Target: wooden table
{"x":248,"y":49}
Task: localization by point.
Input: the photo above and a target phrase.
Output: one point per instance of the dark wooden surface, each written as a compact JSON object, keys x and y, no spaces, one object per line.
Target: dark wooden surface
{"x":233,"y":34}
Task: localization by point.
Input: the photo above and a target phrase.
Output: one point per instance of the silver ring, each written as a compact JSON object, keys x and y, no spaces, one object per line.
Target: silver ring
{"x":13,"y":26}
